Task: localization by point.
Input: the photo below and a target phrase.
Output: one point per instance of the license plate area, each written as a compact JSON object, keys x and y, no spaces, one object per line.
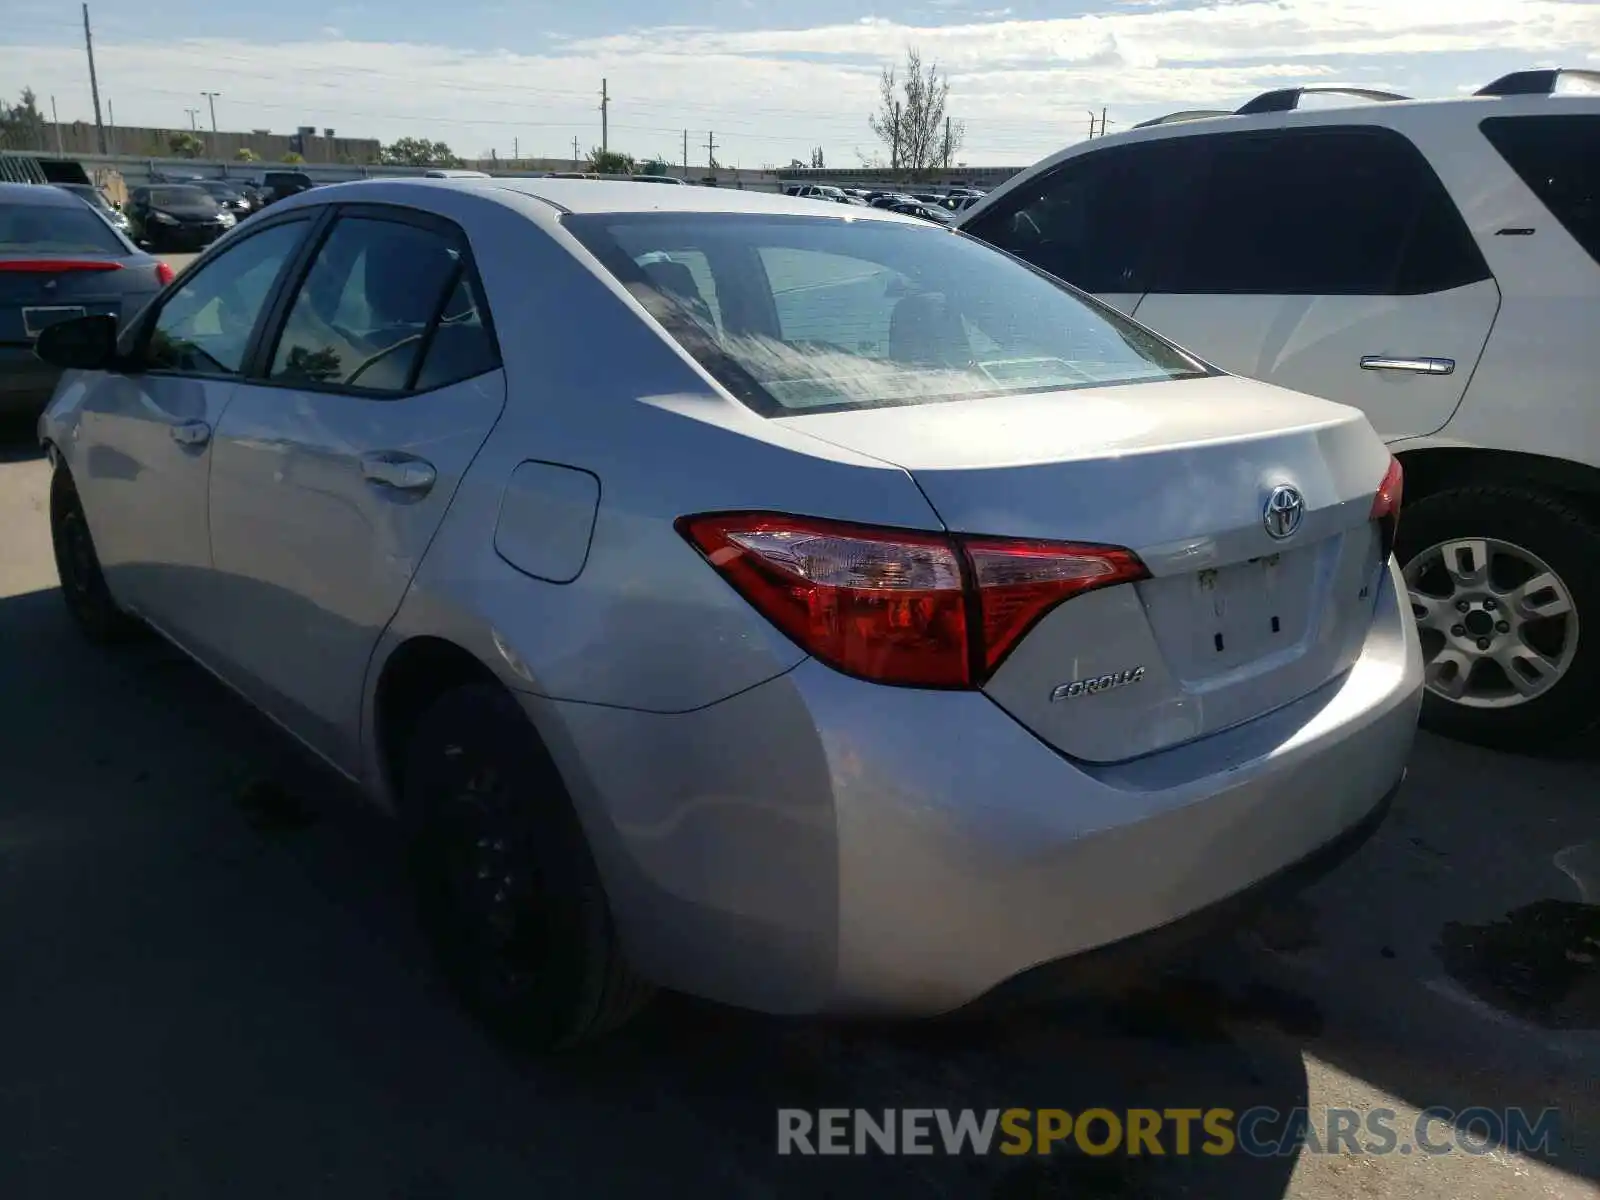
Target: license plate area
{"x":1216,"y":621}
{"x":36,"y":320}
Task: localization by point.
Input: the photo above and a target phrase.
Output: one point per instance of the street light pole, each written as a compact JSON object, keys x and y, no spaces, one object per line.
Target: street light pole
{"x":211,"y":98}
{"x":193,"y":113}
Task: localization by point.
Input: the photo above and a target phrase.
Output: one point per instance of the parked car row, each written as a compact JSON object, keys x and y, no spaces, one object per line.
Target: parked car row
{"x":877,"y":582}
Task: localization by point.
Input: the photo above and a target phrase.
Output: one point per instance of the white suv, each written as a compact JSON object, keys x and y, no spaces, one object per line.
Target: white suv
{"x":1433,"y":263}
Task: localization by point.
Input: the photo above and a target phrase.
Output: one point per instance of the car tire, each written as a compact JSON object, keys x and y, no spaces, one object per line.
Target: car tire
{"x":83,"y":584}
{"x":509,"y":892}
{"x":1543,"y":532}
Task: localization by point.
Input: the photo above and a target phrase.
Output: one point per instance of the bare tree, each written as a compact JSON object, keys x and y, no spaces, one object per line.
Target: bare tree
{"x":911,"y":120}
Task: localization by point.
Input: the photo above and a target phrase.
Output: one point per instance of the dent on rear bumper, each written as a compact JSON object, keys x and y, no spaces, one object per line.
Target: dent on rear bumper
{"x":819,"y":844}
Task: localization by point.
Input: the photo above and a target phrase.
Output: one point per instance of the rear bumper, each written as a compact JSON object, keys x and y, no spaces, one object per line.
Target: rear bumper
{"x":819,"y":844}
{"x":1109,"y":967}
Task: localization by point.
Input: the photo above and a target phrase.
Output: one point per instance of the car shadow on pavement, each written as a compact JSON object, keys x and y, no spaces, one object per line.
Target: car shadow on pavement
{"x":18,"y":441}
{"x":211,"y":951}
{"x":223,"y":991}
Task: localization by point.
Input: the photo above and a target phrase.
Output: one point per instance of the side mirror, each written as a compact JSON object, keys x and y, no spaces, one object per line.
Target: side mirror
{"x":81,"y":344}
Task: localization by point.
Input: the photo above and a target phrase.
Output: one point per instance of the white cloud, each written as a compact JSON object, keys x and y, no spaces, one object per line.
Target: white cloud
{"x":1022,"y":86}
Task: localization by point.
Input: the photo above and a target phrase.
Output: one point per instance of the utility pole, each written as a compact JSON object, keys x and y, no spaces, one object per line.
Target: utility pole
{"x":211,"y":99}
{"x":515,"y":154}
{"x":894,"y":142}
{"x":605,"y":113}
{"x":94,"y":82}
{"x":111,"y":121}
{"x":574,"y":152}
{"x":1102,"y":122}
{"x":711,"y":151}
{"x":947,"y":143}
{"x":686,"y":154}
{"x":1091,"y":122}
{"x":193,"y":113}
{"x":56,"y":121}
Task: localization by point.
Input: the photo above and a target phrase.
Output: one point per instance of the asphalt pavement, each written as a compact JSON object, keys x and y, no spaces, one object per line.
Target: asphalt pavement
{"x":211,"y":984}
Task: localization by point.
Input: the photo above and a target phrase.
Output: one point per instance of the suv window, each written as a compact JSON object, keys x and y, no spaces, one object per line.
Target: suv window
{"x":378,"y":295}
{"x":1558,"y":157}
{"x":204,"y":325}
{"x":1319,"y":212}
{"x":1093,"y":220}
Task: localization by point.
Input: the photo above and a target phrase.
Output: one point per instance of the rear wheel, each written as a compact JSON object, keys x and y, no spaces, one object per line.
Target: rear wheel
{"x":83,"y":585}
{"x":509,"y":891}
{"x":1505,"y":586}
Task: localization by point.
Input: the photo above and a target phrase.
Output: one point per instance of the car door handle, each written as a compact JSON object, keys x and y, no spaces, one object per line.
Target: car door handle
{"x":1417,"y":366}
{"x":401,"y":472}
{"x":190,"y":433}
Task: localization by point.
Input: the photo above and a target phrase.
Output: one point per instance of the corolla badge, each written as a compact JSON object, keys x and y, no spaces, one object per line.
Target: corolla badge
{"x":1284,"y":511}
{"x":1098,"y":684}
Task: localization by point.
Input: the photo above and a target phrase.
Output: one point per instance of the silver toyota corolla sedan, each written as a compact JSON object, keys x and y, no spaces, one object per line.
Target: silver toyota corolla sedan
{"x":817,"y":611}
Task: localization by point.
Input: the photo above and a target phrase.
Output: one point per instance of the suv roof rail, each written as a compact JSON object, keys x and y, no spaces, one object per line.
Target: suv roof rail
{"x":1288,"y":99}
{"x":1540,"y":83}
{"x":1188,"y":114}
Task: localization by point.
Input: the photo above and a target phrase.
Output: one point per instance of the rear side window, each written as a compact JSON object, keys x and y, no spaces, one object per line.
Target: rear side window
{"x":1558,"y":157}
{"x":55,"y":229}
{"x":1319,"y":212}
{"x":1093,"y":220}
{"x":380,"y":298}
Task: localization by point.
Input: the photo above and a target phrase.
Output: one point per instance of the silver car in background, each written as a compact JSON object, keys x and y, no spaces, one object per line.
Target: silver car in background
{"x":807,"y":608}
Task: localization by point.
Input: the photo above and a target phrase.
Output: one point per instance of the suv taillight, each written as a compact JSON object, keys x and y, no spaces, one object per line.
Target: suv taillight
{"x":900,"y":606}
{"x":1386,"y":506}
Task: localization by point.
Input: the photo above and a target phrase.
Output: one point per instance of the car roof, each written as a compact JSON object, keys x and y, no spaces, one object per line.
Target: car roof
{"x":619,"y":196}
{"x":36,"y":193}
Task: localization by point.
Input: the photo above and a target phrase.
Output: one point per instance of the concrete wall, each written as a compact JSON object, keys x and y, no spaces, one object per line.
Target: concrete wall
{"x":79,"y":138}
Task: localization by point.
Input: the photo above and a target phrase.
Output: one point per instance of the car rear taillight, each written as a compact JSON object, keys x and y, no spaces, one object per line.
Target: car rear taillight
{"x":1386,"y":506}
{"x":164,"y":273}
{"x":900,"y":606}
{"x":50,"y":266}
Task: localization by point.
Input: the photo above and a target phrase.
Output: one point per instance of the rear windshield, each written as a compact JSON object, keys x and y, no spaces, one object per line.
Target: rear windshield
{"x":1558,"y":157}
{"x":804,"y":314}
{"x":55,"y":229}
{"x":181,"y":197}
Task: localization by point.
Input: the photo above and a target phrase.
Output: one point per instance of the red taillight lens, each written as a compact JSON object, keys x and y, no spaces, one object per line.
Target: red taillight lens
{"x":1386,"y":506}
{"x":899,"y":606}
{"x":1018,"y":582}
{"x":164,"y":273}
{"x":51,"y":266}
{"x":885,"y":605}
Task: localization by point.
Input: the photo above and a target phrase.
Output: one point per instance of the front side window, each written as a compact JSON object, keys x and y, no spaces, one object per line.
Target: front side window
{"x":204,"y":325}
{"x":1094,"y":220}
{"x":1334,"y":211}
{"x":366,"y":312}
{"x":825,"y":314}
{"x":55,"y":229}
{"x":1558,"y":158}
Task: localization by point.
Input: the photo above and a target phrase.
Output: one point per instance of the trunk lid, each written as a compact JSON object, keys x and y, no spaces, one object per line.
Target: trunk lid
{"x":33,"y":296}
{"x":1233,"y":622}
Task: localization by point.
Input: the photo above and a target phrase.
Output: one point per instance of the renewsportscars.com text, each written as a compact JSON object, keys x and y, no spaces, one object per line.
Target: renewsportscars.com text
{"x":1258,"y":1132}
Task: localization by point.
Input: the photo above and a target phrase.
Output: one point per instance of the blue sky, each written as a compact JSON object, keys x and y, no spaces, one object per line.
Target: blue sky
{"x":771,"y":80}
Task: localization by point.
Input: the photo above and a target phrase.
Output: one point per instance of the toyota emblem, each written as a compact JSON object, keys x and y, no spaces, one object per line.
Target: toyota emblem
{"x":1284,"y":510}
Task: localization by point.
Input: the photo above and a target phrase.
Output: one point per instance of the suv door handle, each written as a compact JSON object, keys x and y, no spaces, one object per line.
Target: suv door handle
{"x":1417,"y":366}
{"x":401,"y":472}
{"x":190,"y":433}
